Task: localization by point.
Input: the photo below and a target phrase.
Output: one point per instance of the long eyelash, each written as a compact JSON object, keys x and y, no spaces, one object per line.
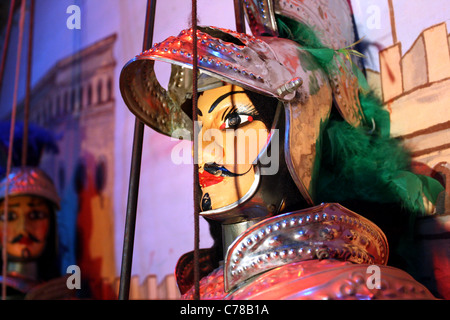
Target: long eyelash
{"x":247,"y":110}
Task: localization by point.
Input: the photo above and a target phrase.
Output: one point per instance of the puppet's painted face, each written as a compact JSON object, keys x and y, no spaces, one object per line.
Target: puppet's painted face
{"x":28,"y":225}
{"x":231,"y":135}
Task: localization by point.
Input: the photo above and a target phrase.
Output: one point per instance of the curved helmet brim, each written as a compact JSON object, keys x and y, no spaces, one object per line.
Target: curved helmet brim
{"x":30,"y":181}
{"x":223,"y":56}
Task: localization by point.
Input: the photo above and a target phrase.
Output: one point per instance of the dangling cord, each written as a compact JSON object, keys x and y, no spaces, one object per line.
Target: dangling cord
{"x":240,"y":27}
{"x":28,"y":88}
{"x":196,"y":183}
{"x":10,"y":147}
{"x":6,"y":43}
{"x":239,"y":16}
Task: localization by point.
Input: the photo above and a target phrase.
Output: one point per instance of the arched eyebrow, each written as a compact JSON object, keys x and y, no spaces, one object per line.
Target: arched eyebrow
{"x":221,"y":98}
{"x":13,"y":205}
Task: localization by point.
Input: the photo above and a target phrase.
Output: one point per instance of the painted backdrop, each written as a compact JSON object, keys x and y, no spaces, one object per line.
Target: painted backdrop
{"x":75,"y":72}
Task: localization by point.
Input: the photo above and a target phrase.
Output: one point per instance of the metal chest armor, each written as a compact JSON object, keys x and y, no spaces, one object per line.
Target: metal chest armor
{"x":323,"y":252}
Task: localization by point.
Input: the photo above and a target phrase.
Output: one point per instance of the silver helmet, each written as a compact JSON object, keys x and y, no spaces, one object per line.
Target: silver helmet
{"x":29,"y":181}
{"x":267,"y":65}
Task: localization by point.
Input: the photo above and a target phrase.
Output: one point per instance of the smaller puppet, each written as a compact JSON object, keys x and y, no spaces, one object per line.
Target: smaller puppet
{"x":31,"y":239}
{"x":32,"y":262}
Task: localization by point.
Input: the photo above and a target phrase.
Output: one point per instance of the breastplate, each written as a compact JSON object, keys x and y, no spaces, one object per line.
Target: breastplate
{"x":323,"y":252}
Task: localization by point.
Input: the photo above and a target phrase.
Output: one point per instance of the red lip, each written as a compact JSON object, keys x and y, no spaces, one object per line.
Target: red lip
{"x":207,"y":179}
{"x":25,"y":241}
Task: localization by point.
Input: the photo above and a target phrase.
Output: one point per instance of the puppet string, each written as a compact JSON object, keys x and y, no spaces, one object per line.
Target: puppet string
{"x":28,"y":85}
{"x":10,"y":147}
{"x":194,"y":119}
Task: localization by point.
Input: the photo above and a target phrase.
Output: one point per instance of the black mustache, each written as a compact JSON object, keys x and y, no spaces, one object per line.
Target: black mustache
{"x":20,"y":236}
{"x":214,"y":169}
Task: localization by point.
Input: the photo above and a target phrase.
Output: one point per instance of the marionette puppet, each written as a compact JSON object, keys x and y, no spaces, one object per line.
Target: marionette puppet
{"x":297,"y":174}
{"x":31,"y":230}
{"x":30,"y":221}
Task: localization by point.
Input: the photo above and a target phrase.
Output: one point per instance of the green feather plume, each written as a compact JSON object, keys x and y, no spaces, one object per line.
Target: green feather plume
{"x":363,"y":163}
